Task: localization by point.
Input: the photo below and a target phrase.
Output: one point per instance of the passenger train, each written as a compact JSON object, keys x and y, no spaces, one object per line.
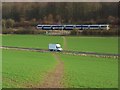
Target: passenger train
{"x":72,"y":27}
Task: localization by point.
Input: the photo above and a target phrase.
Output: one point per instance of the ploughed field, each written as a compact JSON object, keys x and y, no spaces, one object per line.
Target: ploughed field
{"x":38,"y":69}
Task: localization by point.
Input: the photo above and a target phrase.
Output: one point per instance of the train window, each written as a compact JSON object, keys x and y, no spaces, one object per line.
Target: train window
{"x":69,"y":27}
{"x":47,"y":27}
{"x":85,"y":26}
{"x":94,"y":26}
{"x":103,"y":27}
{"x":57,"y":27}
{"x":78,"y":27}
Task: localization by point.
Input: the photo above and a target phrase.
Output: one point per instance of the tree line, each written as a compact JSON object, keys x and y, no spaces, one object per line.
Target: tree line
{"x":61,"y":12}
{"x":27,"y":15}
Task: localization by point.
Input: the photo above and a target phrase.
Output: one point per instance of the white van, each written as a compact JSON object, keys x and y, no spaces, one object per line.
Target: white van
{"x":55,"y":47}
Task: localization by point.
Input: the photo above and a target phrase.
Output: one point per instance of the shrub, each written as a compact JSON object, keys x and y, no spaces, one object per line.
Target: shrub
{"x":100,"y":32}
{"x":7,"y":31}
{"x":10,"y":23}
{"x":23,"y":31}
{"x":74,"y":32}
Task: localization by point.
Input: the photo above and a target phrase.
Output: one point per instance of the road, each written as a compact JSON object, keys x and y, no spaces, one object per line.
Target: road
{"x":64,"y":52}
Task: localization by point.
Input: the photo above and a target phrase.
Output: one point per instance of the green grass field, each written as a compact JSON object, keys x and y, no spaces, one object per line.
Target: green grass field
{"x":24,"y":68}
{"x":89,"y":44}
{"x":30,"y":41}
{"x":93,"y":44}
{"x":90,"y":72}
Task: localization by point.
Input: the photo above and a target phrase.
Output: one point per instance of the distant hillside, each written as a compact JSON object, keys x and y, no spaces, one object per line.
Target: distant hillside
{"x":61,"y":12}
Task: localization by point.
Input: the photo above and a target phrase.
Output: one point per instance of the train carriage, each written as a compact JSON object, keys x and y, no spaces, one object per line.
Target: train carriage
{"x":85,"y":27}
{"x":69,"y":27}
{"x":104,"y":27}
{"x":72,"y":27}
{"x":47,"y":27}
{"x":39,"y":27}
{"x":78,"y":27}
{"x":57,"y":27}
{"x":94,"y":27}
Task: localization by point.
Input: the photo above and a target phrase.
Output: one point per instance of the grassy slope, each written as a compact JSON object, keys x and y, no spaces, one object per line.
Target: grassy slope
{"x":93,"y":44}
{"x":24,"y":68}
{"x":90,"y":72}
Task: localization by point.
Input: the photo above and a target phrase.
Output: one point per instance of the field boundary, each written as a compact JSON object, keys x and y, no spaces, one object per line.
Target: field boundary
{"x":80,"y":53}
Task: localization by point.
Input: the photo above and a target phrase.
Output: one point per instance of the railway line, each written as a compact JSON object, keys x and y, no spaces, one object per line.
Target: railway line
{"x":108,"y":55}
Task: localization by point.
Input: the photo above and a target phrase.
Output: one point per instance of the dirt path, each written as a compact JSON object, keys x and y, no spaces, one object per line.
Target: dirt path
{"x":53,"y":78}
{"x":65,"y":42}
